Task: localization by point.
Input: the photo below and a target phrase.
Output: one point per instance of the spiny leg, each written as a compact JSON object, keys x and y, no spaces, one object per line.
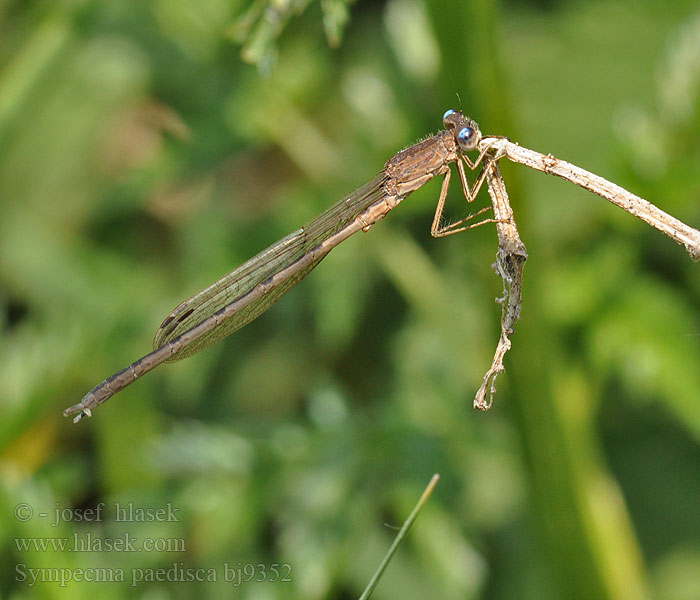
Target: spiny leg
{"x":455,"y":227}
{"x":473,"y":164}
{"x":470,"y":193}
{"x":435,"y":229}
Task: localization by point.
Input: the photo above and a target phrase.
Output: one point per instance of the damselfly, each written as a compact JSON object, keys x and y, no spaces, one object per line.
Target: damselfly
{"x":245,"y":293}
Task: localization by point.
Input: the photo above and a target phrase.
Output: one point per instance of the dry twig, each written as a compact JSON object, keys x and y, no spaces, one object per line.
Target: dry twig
{"x":643,"y":209}
{"x":510,"y":259}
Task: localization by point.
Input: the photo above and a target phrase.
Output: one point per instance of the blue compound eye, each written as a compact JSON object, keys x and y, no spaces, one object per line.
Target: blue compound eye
{"x":466,"y":139}
{"x":445,"y":117}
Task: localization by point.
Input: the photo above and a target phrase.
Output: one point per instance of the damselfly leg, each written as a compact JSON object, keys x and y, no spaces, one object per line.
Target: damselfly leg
{"x":470,"y":192}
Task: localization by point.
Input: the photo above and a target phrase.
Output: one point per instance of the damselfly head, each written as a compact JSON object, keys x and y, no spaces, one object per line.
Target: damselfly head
{"x":467,"y":133}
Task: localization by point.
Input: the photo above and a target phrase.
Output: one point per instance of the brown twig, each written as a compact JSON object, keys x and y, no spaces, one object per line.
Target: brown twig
{"x":643,"y":209}
{"x":509,"y":265}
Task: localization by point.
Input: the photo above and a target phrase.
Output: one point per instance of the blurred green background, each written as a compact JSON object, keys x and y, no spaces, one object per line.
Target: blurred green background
{"x":147,"y":148}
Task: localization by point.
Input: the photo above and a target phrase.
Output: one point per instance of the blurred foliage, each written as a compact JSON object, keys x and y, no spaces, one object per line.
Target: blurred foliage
{"x":259,"y":26}
{"x":142,"y":156}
